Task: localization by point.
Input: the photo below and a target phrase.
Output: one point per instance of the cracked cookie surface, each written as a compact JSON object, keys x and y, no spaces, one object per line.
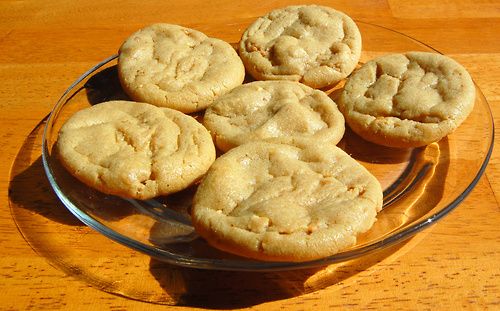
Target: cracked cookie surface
{"x":278,"y":111}
{"x":407,"y":100}
{"x":285,"y":203}
{"x":134,"y":150}
{"x":177,"y":67}
{"x":315,"y":45}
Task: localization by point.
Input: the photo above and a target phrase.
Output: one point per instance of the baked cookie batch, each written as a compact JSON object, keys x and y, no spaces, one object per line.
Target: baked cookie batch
{"x":282,"y":190}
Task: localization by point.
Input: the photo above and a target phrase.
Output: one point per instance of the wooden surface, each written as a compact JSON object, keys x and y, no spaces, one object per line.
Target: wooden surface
{"x":46,"y":45}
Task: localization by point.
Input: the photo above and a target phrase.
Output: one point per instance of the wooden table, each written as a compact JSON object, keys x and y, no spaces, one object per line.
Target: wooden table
{"x":45,"y":46}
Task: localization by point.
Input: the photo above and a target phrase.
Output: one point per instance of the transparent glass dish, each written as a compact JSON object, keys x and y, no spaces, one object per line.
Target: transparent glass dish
{"x":420,"y":185}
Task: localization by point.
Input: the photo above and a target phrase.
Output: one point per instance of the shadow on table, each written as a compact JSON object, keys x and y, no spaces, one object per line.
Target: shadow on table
{"x":234,"y":289}
{"x":29,"y":188}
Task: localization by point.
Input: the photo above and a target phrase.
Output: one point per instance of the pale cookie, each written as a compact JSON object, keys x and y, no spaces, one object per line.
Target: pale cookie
{"x":312,"y":44}
{"x":135,"y":150}
{"x":281,"y":202}
{"x":278,"y":111}
{"x":177,"y":67}
{"x":407,"y":100}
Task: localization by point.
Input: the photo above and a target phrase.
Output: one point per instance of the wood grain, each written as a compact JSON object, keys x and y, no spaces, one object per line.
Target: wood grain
{"x":47,"y":45}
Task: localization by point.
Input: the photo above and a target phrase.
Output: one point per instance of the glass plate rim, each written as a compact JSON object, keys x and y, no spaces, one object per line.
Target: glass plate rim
{"x":234,"y":265}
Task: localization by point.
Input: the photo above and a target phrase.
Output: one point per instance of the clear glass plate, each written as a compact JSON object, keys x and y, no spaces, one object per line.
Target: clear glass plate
{"x":420,"y":185}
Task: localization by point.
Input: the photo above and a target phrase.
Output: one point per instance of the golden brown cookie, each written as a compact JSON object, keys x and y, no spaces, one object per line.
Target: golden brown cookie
{"x":407,"y":100}
{"x":176,"y":67}
{"x":285,"y":203}
{"x":134,"y":150}
{"x":312,"y":44}
{"x":278,"y":111}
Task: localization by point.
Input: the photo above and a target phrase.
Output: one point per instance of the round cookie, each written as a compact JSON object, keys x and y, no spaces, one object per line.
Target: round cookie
{"x":134,"y":150}
{"x":407,"y":100}
{"x":279,"y":111}
{"x":281,"y":202}
{"x":312,"y":44}
{"x":176,"y":67}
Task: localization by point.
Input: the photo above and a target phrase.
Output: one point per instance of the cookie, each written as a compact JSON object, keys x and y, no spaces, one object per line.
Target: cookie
{"x":134,"y":150}
{"x":407,"y":100}
{"x":176,"y":67}
{"x":280,"y":202}
{"x":279,"y":111}
{"x":312,"y":44}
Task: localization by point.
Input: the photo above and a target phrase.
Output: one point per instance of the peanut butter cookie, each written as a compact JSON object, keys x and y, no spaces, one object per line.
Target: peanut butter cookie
{"x":312,"y":44}
{"x":281,"y":202}
{"x":279,"y":111}
{"x":134,"y":150}
{"x":176,"y":67}
{"x":407,"y":100}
